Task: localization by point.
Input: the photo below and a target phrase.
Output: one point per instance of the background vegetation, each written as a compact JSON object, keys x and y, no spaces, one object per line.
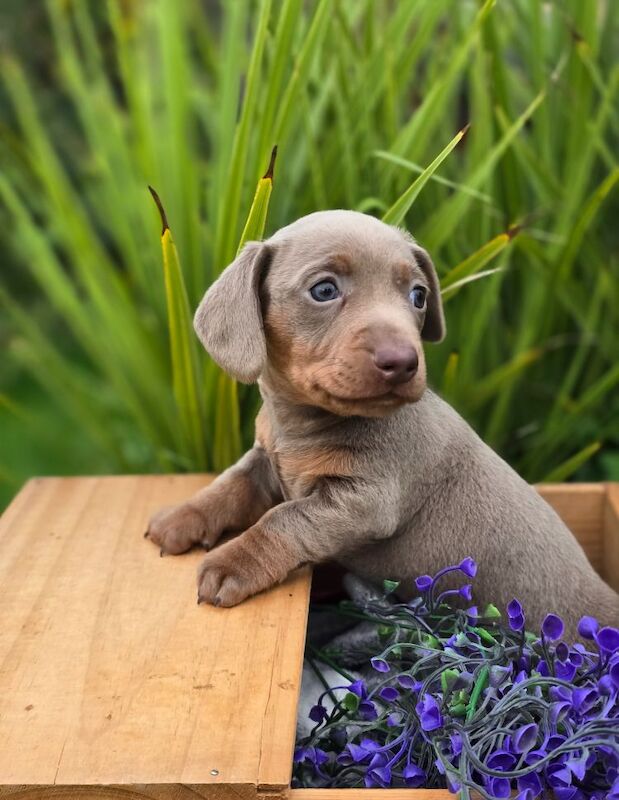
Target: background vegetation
{"x":99,"y":100}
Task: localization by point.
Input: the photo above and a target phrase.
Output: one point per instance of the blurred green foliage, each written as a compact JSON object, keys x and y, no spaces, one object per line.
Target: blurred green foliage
{"x":101,"y":99}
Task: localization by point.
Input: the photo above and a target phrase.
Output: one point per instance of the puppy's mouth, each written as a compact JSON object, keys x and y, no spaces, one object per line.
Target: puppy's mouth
{"x":377,"y":404}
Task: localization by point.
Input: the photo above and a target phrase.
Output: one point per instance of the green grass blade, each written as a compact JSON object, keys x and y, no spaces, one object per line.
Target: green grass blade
{"x":396,"y":213}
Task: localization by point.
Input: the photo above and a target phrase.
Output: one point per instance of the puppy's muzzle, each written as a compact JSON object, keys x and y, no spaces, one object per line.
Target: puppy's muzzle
{"x":396,"y":364}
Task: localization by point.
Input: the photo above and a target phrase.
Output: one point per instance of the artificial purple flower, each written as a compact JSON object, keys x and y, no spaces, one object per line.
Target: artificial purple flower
{"x":584,"y":699}
{"x":613,"y":671}
{"x":407,"y":682}
{"x":514,"y":608}
{"x":525,"y":737}
{"x":378,"y":776}
{"x":553,"y":627}
{"x":389,"y":694}
{"x":311,"y":755}
{"x":429,"y":713}
{"x":358,"y":688}
{"x":501,"y":760}
{"x":531,"y":783}
{"x":607,"y":639}
{"x":525,"y":794}
{"x":414,"y":776}
{"x":565,"y":671}
{"x":515,"y":615}
{"x":369,"y":745}
{"x":559,"y":710}
{"x":424,"y":583}
{"x":379,"y":664}
{"x":352,"y":754}
{"x":468,"y":566}
{"x":466,"y":592}
{"x":367,"y":710}
{"x":499,"y":787}
{"x":317,"y":713}
{"x":456,"y":743}
{"x":562,"y":652}
{"x":472,"y":613}
{"x":606,"y":685}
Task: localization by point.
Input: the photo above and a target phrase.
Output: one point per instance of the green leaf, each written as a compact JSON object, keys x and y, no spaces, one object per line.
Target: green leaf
{"x":183,"y":349}
{"x":569,"y":467}
{"x":351,"y":702}
{"x":397,"y":212}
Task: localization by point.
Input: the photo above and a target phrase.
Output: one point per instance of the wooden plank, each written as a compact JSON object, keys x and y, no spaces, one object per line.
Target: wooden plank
{"x":611,"y":536}
{"x":371,"y":794}
{"x":110,"y":674}
{"x":581,"y":506}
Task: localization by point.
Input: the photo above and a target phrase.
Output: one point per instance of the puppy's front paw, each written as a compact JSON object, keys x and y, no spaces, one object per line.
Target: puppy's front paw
{"x":237,"y":570}
{"x":177,"y":529}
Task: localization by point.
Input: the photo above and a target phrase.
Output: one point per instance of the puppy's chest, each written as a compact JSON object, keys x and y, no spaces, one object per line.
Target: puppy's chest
{"x":300,"y":464}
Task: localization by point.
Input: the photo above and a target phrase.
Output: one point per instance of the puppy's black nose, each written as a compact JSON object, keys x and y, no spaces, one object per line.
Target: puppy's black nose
{"x":397,"y":364}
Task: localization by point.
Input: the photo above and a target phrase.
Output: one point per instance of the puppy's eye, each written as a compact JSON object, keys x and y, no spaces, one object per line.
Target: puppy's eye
{"x":324,"y":291}
{"x":418,"y":296}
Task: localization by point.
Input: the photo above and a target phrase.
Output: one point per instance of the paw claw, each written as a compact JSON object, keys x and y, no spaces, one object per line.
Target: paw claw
{"x":161,"y":553}
{"x":146,"y":534}
{"x":217,"y":601}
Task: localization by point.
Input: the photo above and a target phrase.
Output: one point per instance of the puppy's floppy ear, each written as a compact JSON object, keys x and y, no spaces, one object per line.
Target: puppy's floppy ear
{"x":434,"y":324}
{"x":229,"y":319}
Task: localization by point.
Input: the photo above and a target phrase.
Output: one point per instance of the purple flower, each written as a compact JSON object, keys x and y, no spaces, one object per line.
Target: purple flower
{"x":515,"y":615}
{"x":501,"y":760}
{"x":358,"y":688}
{"x":429,"y":713}
{"x":414,"y":776}
{"x":367,"y":710}
{"x":498,"y":787}
{"x":379,"y":772}
{"x":424,"y":583}
{"x":311,"y":755}
{"x":524,"y":738}
{"x":408,"y":682}
{"x":352,"y":754}
{"x":553,"y":627}
{"x":584,"y":699}
{"x":472,"y":613}
{"x":530,"y":783}
{"x":613,"y":671}
{"x":565,"y":672}
{"x":369,"y":745}
{"x":468,"y":566}
{"x":466,"y":592}
{"x":379,"y":664}
{"x":389,"y":694}
{"x":318,"y":713}
{"x":588,"y":627}
{"x":608,"y":640}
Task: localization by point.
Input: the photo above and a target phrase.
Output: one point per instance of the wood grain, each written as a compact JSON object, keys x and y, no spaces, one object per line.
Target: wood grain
{"x":581,"y":506}
{"x":370,"y":794}
{"x":611,"y":536}
{"x":111,"y":675}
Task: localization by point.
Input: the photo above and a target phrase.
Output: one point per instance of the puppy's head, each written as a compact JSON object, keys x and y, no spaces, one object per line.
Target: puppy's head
{"x":331,"y":311}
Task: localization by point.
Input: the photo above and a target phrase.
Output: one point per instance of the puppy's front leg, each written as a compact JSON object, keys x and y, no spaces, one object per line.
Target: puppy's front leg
{"x":233,"y":502}
{"x":340,"y":515}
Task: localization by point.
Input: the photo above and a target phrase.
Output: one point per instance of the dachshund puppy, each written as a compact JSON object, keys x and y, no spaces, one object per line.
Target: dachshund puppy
{"x":355,"y":460}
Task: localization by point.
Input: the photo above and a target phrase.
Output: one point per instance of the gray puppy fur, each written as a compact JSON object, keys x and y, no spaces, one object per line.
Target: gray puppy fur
{"x":355,"y":460}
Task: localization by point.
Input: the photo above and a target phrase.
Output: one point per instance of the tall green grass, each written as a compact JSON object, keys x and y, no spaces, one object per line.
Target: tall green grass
{"x":363,"y":99}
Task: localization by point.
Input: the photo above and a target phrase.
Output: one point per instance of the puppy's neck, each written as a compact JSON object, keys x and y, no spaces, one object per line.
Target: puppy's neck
{"x":290,"y":418}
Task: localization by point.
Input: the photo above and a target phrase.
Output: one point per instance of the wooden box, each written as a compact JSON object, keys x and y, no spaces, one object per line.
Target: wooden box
{"x":115,"y":684}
